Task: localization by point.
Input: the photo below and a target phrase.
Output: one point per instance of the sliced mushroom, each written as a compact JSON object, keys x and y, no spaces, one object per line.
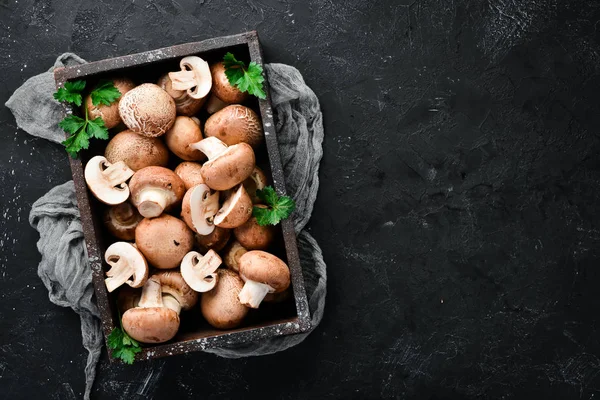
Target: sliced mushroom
{"x":256,"y":181}
{"x":232,"y":255}
{"x":148,"y":110}
{"x":121,"y":221}
{"x":198,"y":271}
{"x":172,"y":283}
{"x":216,"y":240}
{"x":184,"y":132}
{"x":198,"y":209}
{"x":151,"y":321}
{"x":253,"y":236}
{"x":236,"y":210}
{"x":235,"y":124}
{"x":263,"y":273}
{"x":220,"y":306}
{"x":155,"y":190}
{"x":226,"y":166}
{"x":164,"y":241}
{"x":106,"y":181}
{"x":127,"y":266}
{"x":109,"y":114}
{"x":195,"y":77}
{"x":223,"y":93}
{"x":136,"y":151}
{"x":184,"y":104}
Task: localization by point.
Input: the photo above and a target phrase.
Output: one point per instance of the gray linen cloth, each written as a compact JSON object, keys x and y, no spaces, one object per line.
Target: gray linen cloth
{"x":64,"y":269}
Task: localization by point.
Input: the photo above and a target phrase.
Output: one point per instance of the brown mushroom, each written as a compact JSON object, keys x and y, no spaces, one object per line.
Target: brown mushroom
{"x":226,"y":166}
{"x":216,"y":240}
{"x":263,"y":273}
{"x":148,"y":110}
{"x":189,"y":172}
{"x":184,"y":104}
{"x":127,"y":265}
{"x":236,"y":209}
{"x":155,"y":190}
{"x":106,"y":181}
{"x":235,"y":124}
{"x":253,"y":236}
{"x":223,"y":92}
{"x":184,"y":132}
{"x":172,"y":283}
{"x":151,"y":321}
{"x":256,"y":181}
{"x":121,"y":220}
{"x":198,"y":209}
{"x":220,"y":306}
{"x":199,"y":271}
{"x":164,"y":241}
{"x":109,"y":114}
{"x":232,"y":254}
{"x":136,"y":151}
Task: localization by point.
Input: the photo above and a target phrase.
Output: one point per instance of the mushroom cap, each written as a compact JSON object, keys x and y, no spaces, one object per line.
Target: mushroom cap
{"x":158,"y":179}
{"x":184,"y":104}
{"x":232,"y":254}
{"x":235,"y":124}
{"x":190,"y":174}
{"x":148,"y":110}
{"x":173,"y":283}
{"x":136,"y":151}
{"x":121,"y":220}
{"x":256,"y":181}
{"x":198,"y":208}
{"x":151,"y":324}
{"x":164,"y":241}
{"x":230,"y":168}
{"x":222,"y":88}
{"x":121,"y":255}
{"x":253,"y":236}
{"x":262,"y":267}
{"x":236,"y":210}
{"x":109,"y":114}
{"x":216,"y":240}
{"x":221,"y":307}
{"x":106,"y":181}
{"x":185,"y":131}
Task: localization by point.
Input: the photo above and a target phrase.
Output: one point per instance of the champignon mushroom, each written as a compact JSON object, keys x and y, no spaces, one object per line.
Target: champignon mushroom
{"x":148,"y":110}
{"x":232,"y":254}
{"x":184,"y":104}
{"x":109,"y":114}
{"x":226,"y":166}
{"x":106,"y":181}
{"x":184,"y":132}
{"x":236,"y":209}
{"x":198,"y":271}
{"x":198,"y":209}
{"x":155,"y":190}
{"x":235,"y":124}
{"x":164,"y":241}
{"x":195,"y":77}
{"x":221,"y":307}
{"x":172,"y":283}
{"x":127,"y":266}
{"x":263,"y":273}
{"x":253,"y":236}
{"x":151,"y":321}
{"x":136,"y":151}
{"x":121,"y":221}
{"x":216,"y":240}
{"x":189,"y":172}
{"x":223,"y":93}
{"x":256,"y":181}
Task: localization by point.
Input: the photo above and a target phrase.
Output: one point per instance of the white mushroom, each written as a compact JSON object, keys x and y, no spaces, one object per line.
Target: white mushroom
{"x":199,"y":272}
{"x":128,"y":266}
{"x":107,"y":181}
{"x":194,"y":77}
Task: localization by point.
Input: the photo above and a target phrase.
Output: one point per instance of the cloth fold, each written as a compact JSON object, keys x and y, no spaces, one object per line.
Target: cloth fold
{"x":64,"y":267}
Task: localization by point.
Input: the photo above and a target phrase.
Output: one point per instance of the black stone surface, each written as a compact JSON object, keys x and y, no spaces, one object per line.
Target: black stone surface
{"x":457,"y":209}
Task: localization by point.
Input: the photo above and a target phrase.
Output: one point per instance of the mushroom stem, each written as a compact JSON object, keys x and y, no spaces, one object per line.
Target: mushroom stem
{"x":183,"y":80}
{"x":214,"y":104}
{"x":200,"y":272}
{"x":152,"y":202}
{"x":253,"y":293}
{"x":117,"y":173}
{"x":211,"y":146}
{"x":171,"y":303}
{"x":118,"y":274}
{"x":151,"y":295}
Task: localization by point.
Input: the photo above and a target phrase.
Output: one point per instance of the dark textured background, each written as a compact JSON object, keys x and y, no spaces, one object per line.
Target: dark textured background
{"x":457,"y":212}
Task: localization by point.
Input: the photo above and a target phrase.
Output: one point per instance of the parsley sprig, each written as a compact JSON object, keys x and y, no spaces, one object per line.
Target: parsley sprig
{"x":123,"y":346}
{"x":278,"y":207}
{"x":245,"y":78}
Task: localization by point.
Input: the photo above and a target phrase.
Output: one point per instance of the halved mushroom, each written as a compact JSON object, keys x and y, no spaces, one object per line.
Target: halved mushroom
{"x":232,"y":255}
{"x":127,"y":264}
{"x":136,"y":151}
{"x":184,"y":104}
{"x":198,"y":209}
{"x":226,"y":166}
{"x":216,"y":240}
{"x":164,"y":241}
{"x":151,"y":321}
{"x":189,"y":172}
{"x":121,"y":221}
{"x":223,"y":93}
{"x":256,"y":181}
{"x":184,"y":132}
{"x":253,"y":236}
{"x":198,"y":271}
{"x":220,"y":306}
{"x":148,"y":110}
{"x":172,"y":283}
{"x":109,"y":114}
{"x":236,"y":209}
{"x":155,"y":190}
{"x":235,"y":124}
{"x":195,"y":77}
{"x":107,"y":181}
{"x":263,"y":273}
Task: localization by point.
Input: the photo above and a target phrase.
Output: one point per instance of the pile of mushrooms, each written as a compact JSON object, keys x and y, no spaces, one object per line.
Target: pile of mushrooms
{"x":179,"y":196}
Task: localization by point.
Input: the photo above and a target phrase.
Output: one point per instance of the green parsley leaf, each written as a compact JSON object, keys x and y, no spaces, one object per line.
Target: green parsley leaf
{"x":81,"y":131}
{"x":279,"y":207}
{"x":105,"y":93}
{"x":246,"y":79}
{"x":72,"y":124}
{"x":71,"y":92}
{"x":123,"y":346}
{"x":97,"y":129}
